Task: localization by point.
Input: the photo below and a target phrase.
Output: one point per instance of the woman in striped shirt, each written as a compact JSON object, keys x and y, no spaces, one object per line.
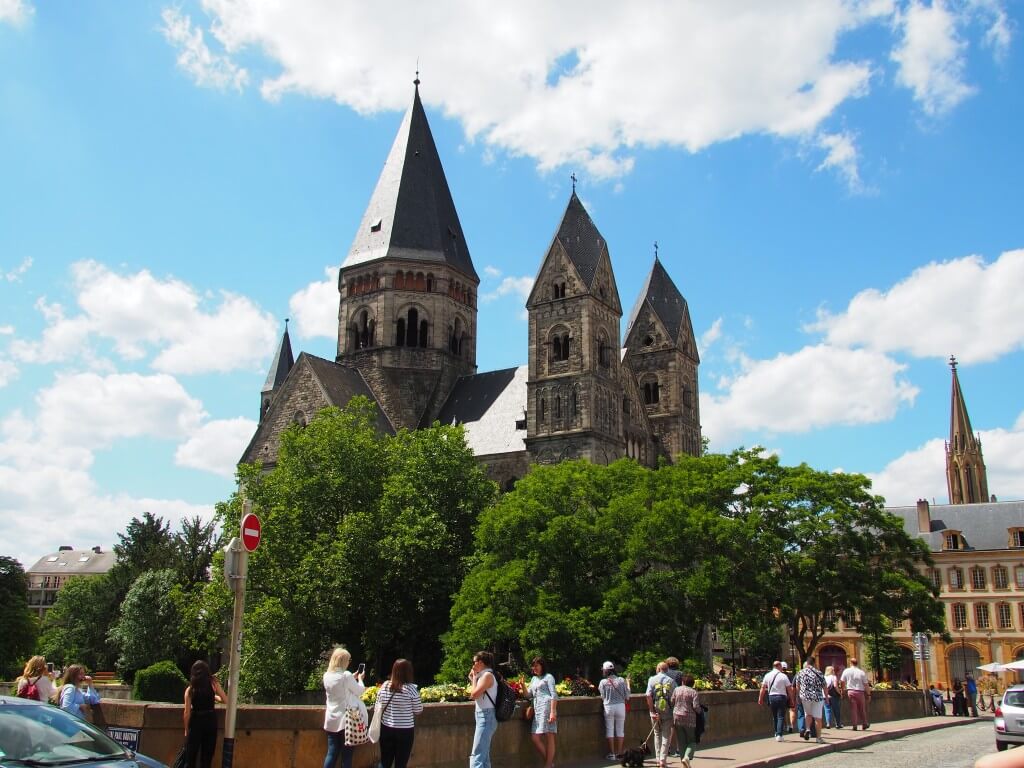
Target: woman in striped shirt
{"x":400,"y":702}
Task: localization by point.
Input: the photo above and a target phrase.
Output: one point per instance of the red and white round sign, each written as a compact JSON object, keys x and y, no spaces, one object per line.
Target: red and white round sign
{"x":252,"y":530}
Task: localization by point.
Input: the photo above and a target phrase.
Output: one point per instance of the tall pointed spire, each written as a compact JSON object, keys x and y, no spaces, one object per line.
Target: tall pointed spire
{"x":660,"y":293}
{"x":279,"y":368}
{"x":966,"y":477}
{"x":411,"y":214}
{"x":582,"y":241}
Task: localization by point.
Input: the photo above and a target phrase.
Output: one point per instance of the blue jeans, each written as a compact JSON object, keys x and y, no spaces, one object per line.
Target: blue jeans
{"x":486,"y":725}
{"x":801,"y":719}
{"x":779,"y":705}
{"x":335,"y":747}
{"x":835,"y":710}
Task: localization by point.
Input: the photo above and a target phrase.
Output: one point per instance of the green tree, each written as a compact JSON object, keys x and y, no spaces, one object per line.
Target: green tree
{"x":18,"y":635}
{"x":147,"y":630}
{"x":365,"y":539}
{"x":75,"y":628}
{"x":195,"y":543}
{"x":825,"y":544}
{"x":883,"y":654}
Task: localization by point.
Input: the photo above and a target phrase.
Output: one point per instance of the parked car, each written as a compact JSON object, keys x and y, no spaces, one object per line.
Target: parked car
{"x":1009,"y":718}
{"x":36,"y":733}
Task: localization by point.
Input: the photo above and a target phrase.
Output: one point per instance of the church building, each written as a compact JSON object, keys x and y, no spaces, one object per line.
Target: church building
{"x":407,"y":336}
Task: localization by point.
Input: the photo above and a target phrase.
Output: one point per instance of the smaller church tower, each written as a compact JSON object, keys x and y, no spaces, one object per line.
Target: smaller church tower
{"x":662,"y":351}
{"x":966,"y":478}
{"x":283,"y":362}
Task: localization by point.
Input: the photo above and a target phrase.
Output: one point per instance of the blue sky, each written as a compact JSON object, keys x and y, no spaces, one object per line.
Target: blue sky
{"x":834,"y":186}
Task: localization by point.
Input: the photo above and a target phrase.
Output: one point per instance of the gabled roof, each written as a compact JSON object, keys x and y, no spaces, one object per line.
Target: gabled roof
{"x":983,"y":526}
{"x":581,"y":239}
{"x":664,"y":299}
{"x":489,"y":405}
{"x":74,"y":562}
{"x":283,"y":362}
{"x":959,"y":421}
{"x":411,"y":215}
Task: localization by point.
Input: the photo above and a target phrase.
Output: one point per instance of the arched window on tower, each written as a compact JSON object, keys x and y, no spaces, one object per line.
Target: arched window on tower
{"x":651,"y":394}
{"x":424,"y":330}
{"x":556,"y":348}
{"x":412,"y":324}
{"x":400,"y":332}
{"x":430,"y":282}
{"x":542,"y":416}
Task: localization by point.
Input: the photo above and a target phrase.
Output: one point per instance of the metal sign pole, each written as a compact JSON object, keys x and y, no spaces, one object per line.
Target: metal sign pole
{"x":239,"y":558}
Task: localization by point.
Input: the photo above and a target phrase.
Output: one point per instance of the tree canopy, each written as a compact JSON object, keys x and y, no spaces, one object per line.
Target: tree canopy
{"x":365,"y":539}
{"x":19,"y":626}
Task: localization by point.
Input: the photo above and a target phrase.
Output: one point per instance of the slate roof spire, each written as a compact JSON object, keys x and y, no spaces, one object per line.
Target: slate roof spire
{"x":411,"y":215}
{"x":282,"y":364}
{"x":581,"y":239}
{"x":966,"y":476}
{"x":664,"y":299}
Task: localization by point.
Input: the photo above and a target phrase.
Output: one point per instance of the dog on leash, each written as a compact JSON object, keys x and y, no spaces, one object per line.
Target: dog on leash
{"x":634,"y":756}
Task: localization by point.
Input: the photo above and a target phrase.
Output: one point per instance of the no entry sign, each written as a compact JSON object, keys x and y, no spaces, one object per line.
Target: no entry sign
{"x":252,"y":530}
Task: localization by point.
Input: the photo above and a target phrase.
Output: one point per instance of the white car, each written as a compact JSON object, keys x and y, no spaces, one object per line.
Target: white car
{"x":1009,"y":718}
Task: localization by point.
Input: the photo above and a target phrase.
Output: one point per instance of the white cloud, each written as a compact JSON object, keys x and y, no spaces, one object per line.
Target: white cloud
{"x":15,"y":274}
{"x":47,"y":495}
{"x":685,"y":74}
{"x":207,"y":68}
{"x":140,"y":312}
{"x":964,"y":307}
{"x":6,"y":330}
{"x":216,"y":446}
{"x":931,"y":56}
{"x":314,"y":309}
{"x":16,"y":12}
{"x":815,"y":387}
{"x":8,"y":372}
{"x":511,"y":286}
{"x":492,"y":271}
{"x":710,"y":336}
{"x":841,"y":157}
{"x":921,"y":473}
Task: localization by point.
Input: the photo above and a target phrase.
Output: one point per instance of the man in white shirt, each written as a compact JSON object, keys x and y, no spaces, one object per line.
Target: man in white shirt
{"x":777,"y":692}
{"x":858,"y":690}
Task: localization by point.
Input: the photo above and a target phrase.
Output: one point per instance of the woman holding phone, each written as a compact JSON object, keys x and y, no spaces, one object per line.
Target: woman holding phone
{"x":343,"y":691}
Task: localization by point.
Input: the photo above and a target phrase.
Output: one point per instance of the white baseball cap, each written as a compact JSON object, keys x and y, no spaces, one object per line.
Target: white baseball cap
{"x":607,"y":665}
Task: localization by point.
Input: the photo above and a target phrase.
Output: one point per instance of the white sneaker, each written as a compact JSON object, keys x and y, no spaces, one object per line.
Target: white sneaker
{"x":778,"y":738}
{"x":820,"y":740}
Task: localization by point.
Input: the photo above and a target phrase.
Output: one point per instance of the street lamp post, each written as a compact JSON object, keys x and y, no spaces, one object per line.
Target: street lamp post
{"x":963,"y":650}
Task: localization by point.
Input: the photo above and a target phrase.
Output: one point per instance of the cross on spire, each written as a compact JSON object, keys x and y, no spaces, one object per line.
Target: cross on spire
{"x":416,"y":82}
{"x":952,"y":362}
{"x":573,"y":177}
{"x":655,"y":250}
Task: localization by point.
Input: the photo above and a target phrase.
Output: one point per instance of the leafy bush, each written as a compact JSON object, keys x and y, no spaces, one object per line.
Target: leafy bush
{"x":642,"y":666}
{"x":162,"y":681}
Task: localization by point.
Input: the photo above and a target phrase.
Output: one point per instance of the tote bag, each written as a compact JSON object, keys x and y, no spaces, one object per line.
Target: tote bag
{"x":378,"y":713}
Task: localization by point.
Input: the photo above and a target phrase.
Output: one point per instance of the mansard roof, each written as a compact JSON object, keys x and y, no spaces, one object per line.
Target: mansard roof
{"x":282,"y":363}
{"x":983,"y":526}
{"x":411,"y":215}
{"x":581,"y":239}
{"x":489,"y":405}
{"x":664,"y":299}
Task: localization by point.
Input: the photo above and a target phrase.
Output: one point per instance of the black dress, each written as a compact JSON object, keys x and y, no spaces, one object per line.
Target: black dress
{"x":202,"y":729}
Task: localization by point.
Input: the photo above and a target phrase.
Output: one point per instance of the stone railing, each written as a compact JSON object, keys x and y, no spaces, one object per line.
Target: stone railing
{"x":292,"y":736}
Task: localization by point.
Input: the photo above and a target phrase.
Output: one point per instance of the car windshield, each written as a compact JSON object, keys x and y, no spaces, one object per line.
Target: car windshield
{"x":45,"y":735}
{"x":1013,"y":699}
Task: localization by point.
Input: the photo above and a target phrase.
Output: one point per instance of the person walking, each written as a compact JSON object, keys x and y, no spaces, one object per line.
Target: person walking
{"x":659,"y":702}
{"x":858,"y":692}
{"x":343,"y":691}
{"x":484,"y":689}
{"x":399,"y":699}
{"x":776,"y":693}
{"x":545,"y":711}
{"x":200,"y":716}
{"x":810,"y":687}
{"x":971,"y":688}
{"x":674,"y":672}
{"x":833,"y":699}
{"x":71,"y":698}
{"x":959,"y":698}
{"x":614,"y":692}
{"x":685,"y":706}
{"x":35,"y":679}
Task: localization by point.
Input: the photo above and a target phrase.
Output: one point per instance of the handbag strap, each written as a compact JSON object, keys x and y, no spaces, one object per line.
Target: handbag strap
{"x":391,"y":696}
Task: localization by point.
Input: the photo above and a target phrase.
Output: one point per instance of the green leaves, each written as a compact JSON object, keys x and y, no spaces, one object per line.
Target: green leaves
{"x":19,"y":625}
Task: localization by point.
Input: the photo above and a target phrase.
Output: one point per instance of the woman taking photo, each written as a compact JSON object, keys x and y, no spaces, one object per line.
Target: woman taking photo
{"x":615,"y":692}
{"x":73,"y":700}
{"x":36,"y":674}
{"x":483,"y":690}
{"x":545,"y":715}
{"x":200,"y":716}
{"x":399,"y":701}
{"x":343,"y":691}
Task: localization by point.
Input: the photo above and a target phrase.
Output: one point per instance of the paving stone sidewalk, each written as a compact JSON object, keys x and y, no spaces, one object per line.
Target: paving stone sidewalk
{"x":767,"y":753}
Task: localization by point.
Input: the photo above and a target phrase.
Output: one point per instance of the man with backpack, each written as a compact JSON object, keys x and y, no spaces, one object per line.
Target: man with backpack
{"x":659,"y":701}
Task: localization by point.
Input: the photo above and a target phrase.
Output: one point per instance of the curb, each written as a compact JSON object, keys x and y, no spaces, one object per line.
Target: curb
{"x":861,"y":741}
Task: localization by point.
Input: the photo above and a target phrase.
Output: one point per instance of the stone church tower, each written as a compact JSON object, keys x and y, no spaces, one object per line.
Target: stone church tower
{"x":662,"y":352}
{"x":966,"y":478}
{"x":407,"y":317}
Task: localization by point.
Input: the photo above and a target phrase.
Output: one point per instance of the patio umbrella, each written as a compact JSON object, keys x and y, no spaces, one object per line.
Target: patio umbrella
{"x":992,"y":667}
{"x":1014,"y":666}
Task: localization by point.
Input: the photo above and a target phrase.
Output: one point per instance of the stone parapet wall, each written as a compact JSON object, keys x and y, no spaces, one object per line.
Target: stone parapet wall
{"x":292,"y":736}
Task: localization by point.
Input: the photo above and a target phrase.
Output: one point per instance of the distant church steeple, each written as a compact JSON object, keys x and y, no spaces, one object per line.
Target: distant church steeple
{"x":966,"y":478}
{"x":279,"y":368}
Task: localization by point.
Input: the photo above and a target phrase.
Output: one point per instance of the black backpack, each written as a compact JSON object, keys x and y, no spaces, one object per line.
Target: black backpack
{"x":504,"y":700}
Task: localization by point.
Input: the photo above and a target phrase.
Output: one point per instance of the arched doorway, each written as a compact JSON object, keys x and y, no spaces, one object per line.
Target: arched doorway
{"x":962,"y":660}
{"x":832,"y":656}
